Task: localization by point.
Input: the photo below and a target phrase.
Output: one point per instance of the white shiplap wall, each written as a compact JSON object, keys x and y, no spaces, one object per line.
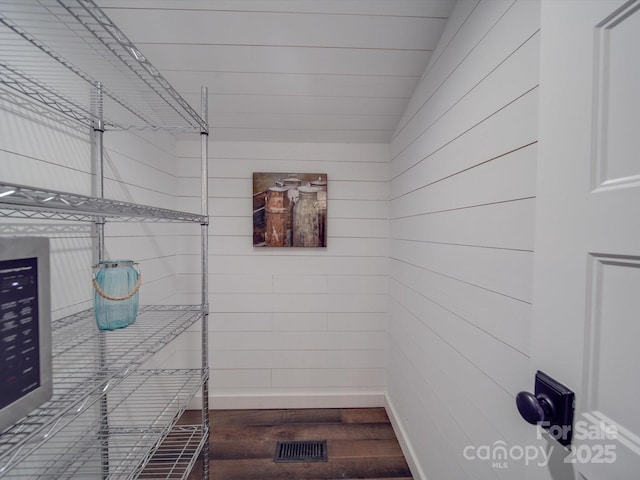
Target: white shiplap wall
{"x":139,"y":167}
{"x":309,"y":327}
{"x":462,"y":199}
{"x":292,"y":327}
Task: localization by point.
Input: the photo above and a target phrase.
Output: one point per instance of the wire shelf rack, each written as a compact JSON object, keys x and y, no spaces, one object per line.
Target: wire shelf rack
{"x":20,"y":201}
{"x":81,"y":376}
{"x":61,"y":52}
{"x":138,"y":437}
{"x":64,"y":60}
{"x":176,"y":455}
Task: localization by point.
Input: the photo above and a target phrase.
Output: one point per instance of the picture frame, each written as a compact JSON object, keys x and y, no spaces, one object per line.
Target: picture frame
{"x":289,"y":210}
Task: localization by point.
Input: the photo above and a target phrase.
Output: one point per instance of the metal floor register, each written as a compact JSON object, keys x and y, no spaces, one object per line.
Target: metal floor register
{"x":301,"y":451}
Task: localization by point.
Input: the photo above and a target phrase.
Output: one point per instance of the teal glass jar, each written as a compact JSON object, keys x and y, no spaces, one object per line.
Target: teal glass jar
{"x":115,"y":299}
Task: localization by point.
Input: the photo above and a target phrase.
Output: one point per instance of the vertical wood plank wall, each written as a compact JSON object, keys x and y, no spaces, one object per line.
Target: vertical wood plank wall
{"x":293,"y":327}
{"x":462,"y":199}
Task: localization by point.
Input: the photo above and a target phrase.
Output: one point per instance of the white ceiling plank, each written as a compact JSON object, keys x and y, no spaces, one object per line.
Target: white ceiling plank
{"x":418,"y":8}
{"x":304,"y":121}
{"x":279,"y":29}
{"x":293,"y":84}
{"x":297,"y":136}
{"x":262,"y":104}
{"x":310,"y":71}
{"x":286,"y":59}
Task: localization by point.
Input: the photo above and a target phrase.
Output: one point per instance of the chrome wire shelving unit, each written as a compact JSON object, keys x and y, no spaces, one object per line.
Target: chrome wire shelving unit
{"x":20,"y":201}
{"x":142,"y":430}
{"x":108,"y":418}
{"x":76,"y":36}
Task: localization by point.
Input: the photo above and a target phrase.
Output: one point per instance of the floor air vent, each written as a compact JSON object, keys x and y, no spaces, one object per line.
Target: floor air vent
{"x":307,"y":451}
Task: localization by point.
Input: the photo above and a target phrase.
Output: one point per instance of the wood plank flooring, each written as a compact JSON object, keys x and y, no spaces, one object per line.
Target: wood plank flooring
{"x":361,"y":444}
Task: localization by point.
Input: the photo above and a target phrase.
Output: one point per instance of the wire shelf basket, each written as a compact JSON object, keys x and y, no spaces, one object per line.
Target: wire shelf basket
{"x":139,"y":434}
{"x":19,"y":201}
{"x":80,"y":377}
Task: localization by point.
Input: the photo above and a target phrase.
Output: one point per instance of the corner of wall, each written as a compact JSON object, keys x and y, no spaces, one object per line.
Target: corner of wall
{"x":403,"y":439}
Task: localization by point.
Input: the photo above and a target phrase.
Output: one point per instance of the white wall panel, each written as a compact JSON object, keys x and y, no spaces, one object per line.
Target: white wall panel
{"x":355,"y":171}
{"x":347,"y":227}
{"x":312,"y":321}
{"x":430,"y":422}
{"x":340,"y":377}
{"x":473,"y":54}
{"x":462,"y":201}
{"x":241,"y":379}
{"x":360,"y":321}
{"x":481,"y":185}
{"x":43,"y":139}
{"x":357,"y":284}
{"x":241,"y":283}
{"x":303,"y":359}
{"x":233,"y":226}
{"x":496,"y":359}
{"x":508,"y":272}
{"x":16,"y":168}
{"x":451,"y":33}
{"x":298,"y":321}
{"x":354,"y":189}
{"x":468,"y":396}
{"x":298,"y":152}
{"x":139,"y":167}
{"x":240,"y":321}
{"x":506,"y":319}
{"x":301,"y":340}
{"x":42,"y":152}
{"x":299,"y":284}
{"x":517,"y":75}
{"x":154,"y":149}
{"x":444,"y":160}
{"x":506,"y":224}
{"x":319,"y":263}
{"x":373,"y":209}
{"x":340,"y":246}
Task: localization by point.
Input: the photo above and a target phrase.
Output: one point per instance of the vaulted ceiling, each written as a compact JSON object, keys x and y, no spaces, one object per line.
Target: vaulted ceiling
{"x":290,"y":70}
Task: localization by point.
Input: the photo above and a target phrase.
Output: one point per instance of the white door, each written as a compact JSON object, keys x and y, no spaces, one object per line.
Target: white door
{"x":587,"y":254}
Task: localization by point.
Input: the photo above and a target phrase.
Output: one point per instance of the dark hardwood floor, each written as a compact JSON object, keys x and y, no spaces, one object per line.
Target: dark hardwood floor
{"x":360,"y":443}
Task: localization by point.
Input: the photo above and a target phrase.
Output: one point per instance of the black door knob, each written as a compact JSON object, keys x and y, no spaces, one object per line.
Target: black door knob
{"x":550,"y":407}
{"x":534,"y":409}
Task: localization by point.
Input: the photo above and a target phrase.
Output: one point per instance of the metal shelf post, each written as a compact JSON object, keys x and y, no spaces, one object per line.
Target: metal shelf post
{"x":97,"y":157}
{"x":204,"y":138}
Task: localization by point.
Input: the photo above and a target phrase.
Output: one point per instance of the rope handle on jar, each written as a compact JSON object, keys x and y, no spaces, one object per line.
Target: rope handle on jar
{"x":118,"y":299}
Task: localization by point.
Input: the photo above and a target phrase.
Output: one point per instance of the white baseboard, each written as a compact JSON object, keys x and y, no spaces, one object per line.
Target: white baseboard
{"x":403,"y":439}
{"x":334,"y":400}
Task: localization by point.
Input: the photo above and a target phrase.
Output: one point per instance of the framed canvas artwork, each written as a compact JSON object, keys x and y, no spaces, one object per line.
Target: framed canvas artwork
{"x":290,"y":210}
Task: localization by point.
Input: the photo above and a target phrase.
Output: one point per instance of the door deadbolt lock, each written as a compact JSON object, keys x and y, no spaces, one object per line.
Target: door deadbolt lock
{"x":551,"y":407}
